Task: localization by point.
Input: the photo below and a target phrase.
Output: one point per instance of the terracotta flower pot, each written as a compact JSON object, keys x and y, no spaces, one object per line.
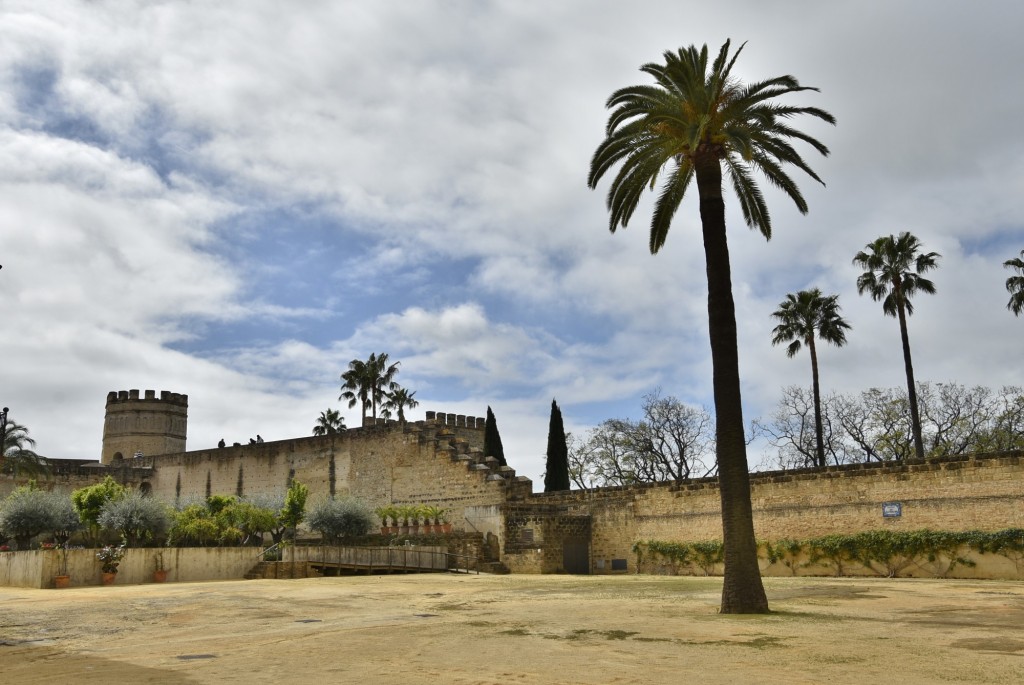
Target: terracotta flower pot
{"x":109,"y":578}
{"x":160,"y":576}
{"x":61,"y":581}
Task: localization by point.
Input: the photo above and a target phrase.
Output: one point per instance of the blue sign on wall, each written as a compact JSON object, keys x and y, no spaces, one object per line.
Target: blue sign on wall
{"x":892,"y":509}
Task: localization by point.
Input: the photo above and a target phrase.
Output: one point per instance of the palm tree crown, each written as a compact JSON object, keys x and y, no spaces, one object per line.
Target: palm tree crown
{"x":693,"y":117}
{"x":694,"y":120}
{"x":893,"y":266}
{"x":16,"y":456}
{"x":397,"y":400}
{"x":1015,"y":285}
{"x":803,"y":318}
{"x":807,"y":316}
{"x":330,"y":421}
{"x":367,"y":381}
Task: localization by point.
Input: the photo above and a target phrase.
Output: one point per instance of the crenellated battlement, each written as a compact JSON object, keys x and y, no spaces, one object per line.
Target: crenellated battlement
{"x":455,"y":420}
{"x":167,"y":397}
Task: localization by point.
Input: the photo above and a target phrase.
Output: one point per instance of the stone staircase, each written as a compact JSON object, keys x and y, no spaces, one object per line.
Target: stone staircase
{"x":458,"y":451}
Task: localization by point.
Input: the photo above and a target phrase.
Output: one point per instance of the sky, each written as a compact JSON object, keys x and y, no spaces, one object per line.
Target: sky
{"x":233,"y":200}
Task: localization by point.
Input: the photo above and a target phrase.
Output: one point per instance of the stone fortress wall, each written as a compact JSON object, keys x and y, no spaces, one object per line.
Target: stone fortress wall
{"x":440,"y":461}
{"x":978,"y":492}
{"x":437,"y":461}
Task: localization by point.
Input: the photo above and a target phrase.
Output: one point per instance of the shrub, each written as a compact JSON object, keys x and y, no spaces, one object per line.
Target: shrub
{"x":335,"y":519}
{"x":28,"y":512}
{"x":135,"y":517}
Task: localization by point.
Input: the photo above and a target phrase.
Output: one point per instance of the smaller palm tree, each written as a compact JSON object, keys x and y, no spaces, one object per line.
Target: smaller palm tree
{"x":1015,"y":285}
{"x":330,"y":421}
{"x":803,"y":318}
{"x":397,"y":400}
{"x":17,"y":457}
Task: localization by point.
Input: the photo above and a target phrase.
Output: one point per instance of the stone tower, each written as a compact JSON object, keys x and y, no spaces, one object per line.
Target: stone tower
{"x":146,"y":425}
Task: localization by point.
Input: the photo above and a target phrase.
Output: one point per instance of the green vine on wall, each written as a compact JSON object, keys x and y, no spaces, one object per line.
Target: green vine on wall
{"x":886,"y":553}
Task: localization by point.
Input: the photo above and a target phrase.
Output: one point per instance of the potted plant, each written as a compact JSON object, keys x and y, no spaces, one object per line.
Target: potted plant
{"x":62,"y":579}
{"x":159,"y":572}
{"x":110,"y":557}
{"x":444,"y":521}
{"x":404,"y":513}
{"x":431,"y":517}
{"x":387,"y":514}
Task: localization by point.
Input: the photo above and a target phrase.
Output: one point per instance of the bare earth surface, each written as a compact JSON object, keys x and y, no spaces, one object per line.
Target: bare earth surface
{"x":514,"y":629}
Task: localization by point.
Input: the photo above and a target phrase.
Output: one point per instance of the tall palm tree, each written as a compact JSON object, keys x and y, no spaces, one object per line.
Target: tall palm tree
{"x":686,"y":126}
{"x":396,"y":400}
{"x":1015,"y":285}
{"x":17,"y":456}
{"x":367,"y":381}
{"x":381,"y":378}
{"x":803,"y":319}
{"x":330,"y":421}
{"x":355,"y":386}
{"x":893,"y":267}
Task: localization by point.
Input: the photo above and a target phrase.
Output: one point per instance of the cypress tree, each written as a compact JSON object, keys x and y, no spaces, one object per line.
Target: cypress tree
{"x":492,"y":440}
{"x":557,"y":475}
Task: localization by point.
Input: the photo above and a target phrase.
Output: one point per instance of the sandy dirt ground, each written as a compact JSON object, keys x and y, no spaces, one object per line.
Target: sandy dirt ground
{"x":514,"y":629}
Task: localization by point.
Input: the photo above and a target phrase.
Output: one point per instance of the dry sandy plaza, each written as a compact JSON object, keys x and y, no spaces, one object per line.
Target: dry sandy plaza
{"x":445,"y":628}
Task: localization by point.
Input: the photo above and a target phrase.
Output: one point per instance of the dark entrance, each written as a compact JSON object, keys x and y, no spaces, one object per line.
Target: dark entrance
{"x":576,"y":557}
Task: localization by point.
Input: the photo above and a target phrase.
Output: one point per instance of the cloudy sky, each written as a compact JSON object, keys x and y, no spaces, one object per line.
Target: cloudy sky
{"x":234,"y":199}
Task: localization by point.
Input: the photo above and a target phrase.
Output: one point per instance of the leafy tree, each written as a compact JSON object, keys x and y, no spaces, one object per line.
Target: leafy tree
{"x":194,"y":526}
{"x":397,"y":400}
{"x":893,"y":274}
{"x":336,"y":519}
{"x":28,"y":512}
{"x":366,"y":382}
{"x":695,"y":119}
{"x":17,"y":457}
{"x":803,"y":318}
{"x":556,"y":477}
{"x":330,"y":421}
{"x":294,"y":509}
{"x":1015,"y":284}
{"x":90,"y":500}
{"x":492,"y":439}
{"x":135,"y":517}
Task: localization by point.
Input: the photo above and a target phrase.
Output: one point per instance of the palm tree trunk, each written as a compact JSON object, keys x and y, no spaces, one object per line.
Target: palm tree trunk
{"x":915,"y":418}
{"x":819,"y":440}
{"x":742,"y":590}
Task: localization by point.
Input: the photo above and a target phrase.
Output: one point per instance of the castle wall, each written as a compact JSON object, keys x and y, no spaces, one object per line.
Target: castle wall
{"x":983,"y":492}
{"x":439,"y":461}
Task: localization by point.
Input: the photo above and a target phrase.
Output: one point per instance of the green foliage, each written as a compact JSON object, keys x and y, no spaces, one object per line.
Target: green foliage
{"x":703,"y":555}
{"x":217,"y":503}
{"x":329,"y":422}
{"x":225,"y":520}
{"x":89,"y":501}
{"x":135,"y":517}
{"x":294,"y":509}
{"x":492,"y":439}
{"x":16,"y":455}
{"x":28,"y":512}
{"x":556,"y":477}
{"x":885,"y":552}
{"x":194,"y":526}
{"x":336,"y":519}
